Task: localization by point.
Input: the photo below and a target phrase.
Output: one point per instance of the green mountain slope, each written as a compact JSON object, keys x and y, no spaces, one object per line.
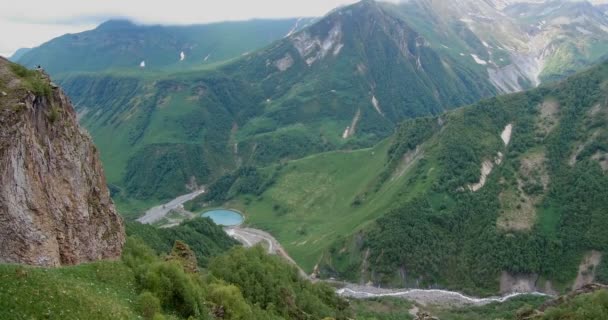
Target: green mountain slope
{"x":537,"y":213}
{"x":119,"y":44}
{"x":341,"y":83}
{"x":417,"y":210}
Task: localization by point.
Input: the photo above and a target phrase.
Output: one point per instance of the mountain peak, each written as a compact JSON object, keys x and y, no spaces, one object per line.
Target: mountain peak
{"x":114,"y":24}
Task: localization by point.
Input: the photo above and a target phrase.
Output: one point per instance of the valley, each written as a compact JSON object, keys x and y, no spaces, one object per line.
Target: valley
{"x":387,"y":160}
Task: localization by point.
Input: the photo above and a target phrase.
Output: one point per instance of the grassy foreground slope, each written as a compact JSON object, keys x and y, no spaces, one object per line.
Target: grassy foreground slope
{"x":239,"y":284}
{"x":100,"y":290}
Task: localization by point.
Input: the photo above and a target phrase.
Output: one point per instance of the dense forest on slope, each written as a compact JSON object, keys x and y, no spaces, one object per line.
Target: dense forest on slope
{"x":416,"y":210}
{"x":539,"y":211}
{"x":206,"y":239}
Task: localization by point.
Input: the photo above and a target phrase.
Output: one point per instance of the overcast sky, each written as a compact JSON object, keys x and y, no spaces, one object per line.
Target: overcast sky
{"x":28,"y":23}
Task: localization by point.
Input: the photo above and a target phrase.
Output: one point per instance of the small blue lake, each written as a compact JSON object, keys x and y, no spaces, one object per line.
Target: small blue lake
{"x":224,"y":217}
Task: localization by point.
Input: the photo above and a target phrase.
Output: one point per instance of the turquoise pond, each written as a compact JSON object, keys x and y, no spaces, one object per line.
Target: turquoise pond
{"x":224,"y":217}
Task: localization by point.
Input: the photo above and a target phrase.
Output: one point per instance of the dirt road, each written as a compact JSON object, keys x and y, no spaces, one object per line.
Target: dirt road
{"x":159,"y":212}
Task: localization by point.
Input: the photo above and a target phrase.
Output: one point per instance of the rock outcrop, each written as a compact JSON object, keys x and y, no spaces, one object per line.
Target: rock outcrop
{"x":55,"y":207}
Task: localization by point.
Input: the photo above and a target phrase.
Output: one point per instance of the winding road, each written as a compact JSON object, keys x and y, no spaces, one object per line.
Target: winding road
{"x":159,"y":212}
{"x":250,"y":237}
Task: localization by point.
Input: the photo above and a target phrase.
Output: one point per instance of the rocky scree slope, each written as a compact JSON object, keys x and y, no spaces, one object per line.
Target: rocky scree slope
{"x":55,"y":208}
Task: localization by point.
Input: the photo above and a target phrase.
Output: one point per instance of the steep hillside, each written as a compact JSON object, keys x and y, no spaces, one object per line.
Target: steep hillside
{"x":119,"y":44}
{"x":55,"y":206}
{"x":519,"y":44}
{"x":160,"y":137}
{"x":516,"y":190}
{"x":343,"y":82}
{"x":511,"y":189}
{"x":567,"y":36}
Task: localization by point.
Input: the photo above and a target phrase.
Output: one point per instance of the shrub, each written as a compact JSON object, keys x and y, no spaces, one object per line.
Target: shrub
{"x":148,"y":305}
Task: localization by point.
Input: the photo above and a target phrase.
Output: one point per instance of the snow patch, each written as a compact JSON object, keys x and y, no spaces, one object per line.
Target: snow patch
{"x":506,"y":134}
{"x":376,"y":105}
{"x":350,"y":130}
{"x":478,"y":60}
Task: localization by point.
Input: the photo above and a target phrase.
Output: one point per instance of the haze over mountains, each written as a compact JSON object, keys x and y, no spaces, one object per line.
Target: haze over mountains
{"x":460,"y":145}
{"x":343,"y":81}
{"x":348,"y":137}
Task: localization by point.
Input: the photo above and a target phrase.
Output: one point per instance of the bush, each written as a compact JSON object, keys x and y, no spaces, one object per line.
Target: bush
{"x":148,"y":305}
{"x":176,"y":290}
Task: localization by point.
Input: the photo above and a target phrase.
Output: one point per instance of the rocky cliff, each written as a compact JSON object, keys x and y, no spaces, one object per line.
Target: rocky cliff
{"x":55,"y":208}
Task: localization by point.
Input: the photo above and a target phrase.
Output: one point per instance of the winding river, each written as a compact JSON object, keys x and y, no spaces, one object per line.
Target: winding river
{"x":250,"y":237}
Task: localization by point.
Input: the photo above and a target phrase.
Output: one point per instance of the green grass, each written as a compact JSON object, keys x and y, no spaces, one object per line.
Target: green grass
{"x":397,"y":309}
{"x":102,"y":290}
{"x":382,"y":309}
{"x":506,"y":310}
{"x":311,"y":204}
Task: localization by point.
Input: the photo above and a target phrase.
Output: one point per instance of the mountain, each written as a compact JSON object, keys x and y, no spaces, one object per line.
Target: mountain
{"x":511,"y":188}
{"x":520,"y":43}
{"x":18,"y":54}
{"x":566,"y":36}
{"x":55,"y":206}
{"x":343,"y":82}
{"x":120,"y":44}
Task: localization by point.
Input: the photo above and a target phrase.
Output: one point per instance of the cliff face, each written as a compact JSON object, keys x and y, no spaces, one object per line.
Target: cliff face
{"x":55,"y":208}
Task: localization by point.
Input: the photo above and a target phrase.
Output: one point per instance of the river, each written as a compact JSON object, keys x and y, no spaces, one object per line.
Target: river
{"x":250,"y":237}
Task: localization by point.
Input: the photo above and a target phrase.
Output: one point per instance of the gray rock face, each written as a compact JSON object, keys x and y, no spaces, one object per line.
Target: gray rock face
{"x":55,"y":208}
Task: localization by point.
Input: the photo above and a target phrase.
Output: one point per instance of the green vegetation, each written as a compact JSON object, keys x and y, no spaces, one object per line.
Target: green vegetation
{"x":242,"y":284}
{"x":270,"y":283}
{"x":122,"y":45}
{"x":100,"y":290}
{"x":198,"y":125}
{"x":382,"y":309}
{"x":588,"y":306}
{"x":33,"y":80}
{"x":351,"y":208}
{"x":452,"y":235}
{"x":397,"y":309}
{"x":206,"y":238}
{"x":322,"y":198}
{"x":508,"y":310}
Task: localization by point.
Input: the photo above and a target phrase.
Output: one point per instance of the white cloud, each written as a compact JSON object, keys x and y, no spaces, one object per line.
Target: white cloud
{"x":28,"y":23}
